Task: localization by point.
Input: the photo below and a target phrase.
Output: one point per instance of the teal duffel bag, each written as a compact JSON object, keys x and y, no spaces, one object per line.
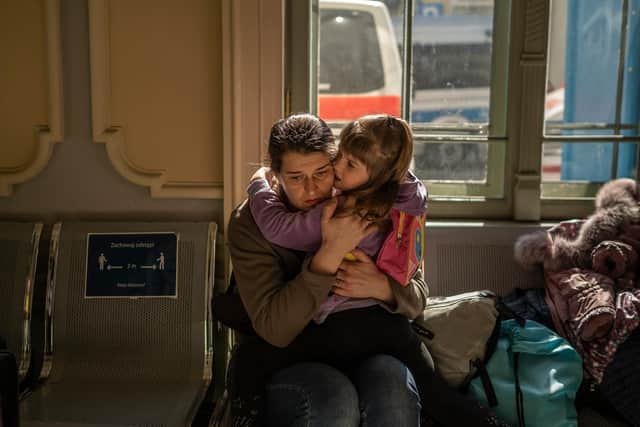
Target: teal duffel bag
{"x":532,"y":377}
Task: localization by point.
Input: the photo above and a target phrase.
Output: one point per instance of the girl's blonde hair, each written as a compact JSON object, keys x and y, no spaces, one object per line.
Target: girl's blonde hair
{"x":385,"y":145}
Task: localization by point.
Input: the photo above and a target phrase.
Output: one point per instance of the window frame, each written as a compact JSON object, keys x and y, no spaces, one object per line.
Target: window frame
{"x":515,"y":136}
{"x":484,"y":197}
{"x":554,"y":192}
{"x":495,"y":132}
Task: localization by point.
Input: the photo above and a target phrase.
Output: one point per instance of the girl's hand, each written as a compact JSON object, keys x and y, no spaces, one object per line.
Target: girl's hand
{"x":340,"y":234}
{"x":362,"y":279}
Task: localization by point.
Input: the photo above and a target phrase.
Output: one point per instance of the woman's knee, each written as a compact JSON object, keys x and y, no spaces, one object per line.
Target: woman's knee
{"x":312,"y":394}
{"x":387,"y":392}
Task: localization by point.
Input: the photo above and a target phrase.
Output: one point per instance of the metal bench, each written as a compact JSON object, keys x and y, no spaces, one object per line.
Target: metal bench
{"x":19,"y":244}
{"x":125,"y":360}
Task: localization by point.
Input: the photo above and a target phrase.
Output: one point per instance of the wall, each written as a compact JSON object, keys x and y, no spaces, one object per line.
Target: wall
{"x":79,"y":182}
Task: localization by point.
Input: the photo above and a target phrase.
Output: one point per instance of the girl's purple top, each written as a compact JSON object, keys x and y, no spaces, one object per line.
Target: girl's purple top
{"x":300,"y":230}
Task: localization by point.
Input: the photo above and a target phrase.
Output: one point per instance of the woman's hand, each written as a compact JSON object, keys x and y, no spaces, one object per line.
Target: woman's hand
{"x":340,"y":234}
{"x":362,"y":279}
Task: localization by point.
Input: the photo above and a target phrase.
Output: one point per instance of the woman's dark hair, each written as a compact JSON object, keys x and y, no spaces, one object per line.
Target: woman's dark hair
{"x":301,"y":133}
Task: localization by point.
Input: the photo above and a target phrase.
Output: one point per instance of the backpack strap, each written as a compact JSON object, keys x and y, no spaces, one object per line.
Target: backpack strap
{"x":519,"y":400}
{"x":420,"y":330}
{"x":487,"y":385}
{"x":400,"y":228}
{"x":507,"y":313}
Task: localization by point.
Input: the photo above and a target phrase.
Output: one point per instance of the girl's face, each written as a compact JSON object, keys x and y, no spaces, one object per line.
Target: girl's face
{"x":350,"y":172}
{"x":306,"y":178}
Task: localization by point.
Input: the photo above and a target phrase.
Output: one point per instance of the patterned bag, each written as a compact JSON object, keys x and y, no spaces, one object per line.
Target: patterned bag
{"x":402,"y":252}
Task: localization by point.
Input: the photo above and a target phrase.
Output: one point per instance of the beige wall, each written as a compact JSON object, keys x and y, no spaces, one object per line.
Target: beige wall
{"x":79,"y":180}
{"x":23,"y":81}
{"x":156,"y":88}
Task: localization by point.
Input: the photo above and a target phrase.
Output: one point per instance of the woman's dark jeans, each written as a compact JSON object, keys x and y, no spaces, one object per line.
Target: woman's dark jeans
{"x":380,"y":391}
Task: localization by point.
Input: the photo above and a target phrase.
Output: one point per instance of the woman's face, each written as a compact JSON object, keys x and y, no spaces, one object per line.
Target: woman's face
{"x":306,"y":178}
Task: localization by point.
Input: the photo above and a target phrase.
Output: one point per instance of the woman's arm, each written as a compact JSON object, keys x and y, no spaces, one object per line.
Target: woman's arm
{"x":410,"y":300}
{"x":280,"y":296}
{"x":294,"y":230}
{"x":362,"y":279}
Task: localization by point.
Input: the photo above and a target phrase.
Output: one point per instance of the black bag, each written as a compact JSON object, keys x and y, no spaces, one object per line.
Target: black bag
{"x":228,"y":309}
{"x":8,"y":390}
{"x":530,"y":304}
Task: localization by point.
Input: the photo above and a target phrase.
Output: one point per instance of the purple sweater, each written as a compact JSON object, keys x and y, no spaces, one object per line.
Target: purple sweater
{"x":300,"y":230}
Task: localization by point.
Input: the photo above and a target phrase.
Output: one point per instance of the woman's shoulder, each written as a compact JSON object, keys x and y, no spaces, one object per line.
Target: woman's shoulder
{"x":241,"y":221}
{"x":244,"y":236}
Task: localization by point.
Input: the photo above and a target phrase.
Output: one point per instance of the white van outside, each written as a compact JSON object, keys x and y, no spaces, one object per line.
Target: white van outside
{"x":359,"y":68}
{"x":360,"y":72}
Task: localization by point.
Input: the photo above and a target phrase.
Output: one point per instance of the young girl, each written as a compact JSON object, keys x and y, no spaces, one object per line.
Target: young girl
{"x":371,"y":172}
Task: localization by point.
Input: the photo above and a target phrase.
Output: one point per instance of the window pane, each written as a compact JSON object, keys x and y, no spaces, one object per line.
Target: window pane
{"x":354,"y":70}
{"x":584,"y":53}
{"x":360,"y":71}
{"x":451,"y":161}
{"x":587,"y":161}
{"x":592,"y":162}
{"x":451,"y":78}
{"x":580,"y":161}
{"x":590,"y":92}
{"x":551,"y":159}
{"x":591,"y":34}
{"x":631,"y":89}
{"x":587,"y":170}
{"x":452,"y":62}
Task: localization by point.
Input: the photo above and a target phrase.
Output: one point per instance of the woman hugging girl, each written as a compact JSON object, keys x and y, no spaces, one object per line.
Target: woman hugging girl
{"x":371,"y":177}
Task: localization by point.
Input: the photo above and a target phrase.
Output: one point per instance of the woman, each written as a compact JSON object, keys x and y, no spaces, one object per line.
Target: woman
{"x":283,"y":289}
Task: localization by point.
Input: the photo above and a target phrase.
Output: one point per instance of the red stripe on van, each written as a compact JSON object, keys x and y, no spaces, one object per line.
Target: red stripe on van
{"x":352,"y":107}
{"x":551,"y":169}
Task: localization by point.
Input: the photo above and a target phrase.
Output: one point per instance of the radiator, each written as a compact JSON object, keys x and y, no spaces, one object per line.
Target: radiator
{"x":462,"y":257}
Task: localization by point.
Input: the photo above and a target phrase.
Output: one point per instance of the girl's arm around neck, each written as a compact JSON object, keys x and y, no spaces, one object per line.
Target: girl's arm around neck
{"x":292,"y":230}
{"x":412,"y":197}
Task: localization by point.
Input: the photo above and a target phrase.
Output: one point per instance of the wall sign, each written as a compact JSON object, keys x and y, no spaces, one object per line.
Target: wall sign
{"x":132,"y":265}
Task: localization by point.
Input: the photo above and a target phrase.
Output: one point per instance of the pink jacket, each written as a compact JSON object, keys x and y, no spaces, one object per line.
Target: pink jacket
{"x":595,"y":309}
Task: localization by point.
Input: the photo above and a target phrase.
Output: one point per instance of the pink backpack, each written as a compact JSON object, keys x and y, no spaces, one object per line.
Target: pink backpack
{"x":403,"y":250}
